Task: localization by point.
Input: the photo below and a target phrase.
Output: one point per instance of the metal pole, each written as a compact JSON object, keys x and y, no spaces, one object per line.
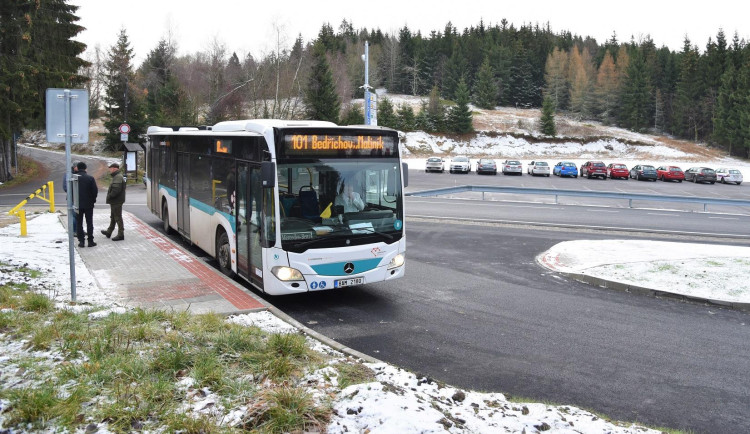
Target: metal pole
{"x":368,"y":96}
{"x":68,"y":163}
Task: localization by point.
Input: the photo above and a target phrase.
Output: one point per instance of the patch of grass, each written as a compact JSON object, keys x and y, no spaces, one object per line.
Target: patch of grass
{"x":712,"y":263}
{"x":665,"y":267}
{"x":287,"y":409}
{"x":208,"y":371}
{"x":353,"y":373}
{"x":28,"y":169}
{"x":34,"y":302}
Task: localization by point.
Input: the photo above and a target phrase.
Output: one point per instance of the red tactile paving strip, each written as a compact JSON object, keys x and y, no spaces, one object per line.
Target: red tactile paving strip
{"x":231,"y":293}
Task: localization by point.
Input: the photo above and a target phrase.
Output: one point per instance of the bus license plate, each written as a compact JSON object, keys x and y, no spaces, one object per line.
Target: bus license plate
{"x":348,"y":282}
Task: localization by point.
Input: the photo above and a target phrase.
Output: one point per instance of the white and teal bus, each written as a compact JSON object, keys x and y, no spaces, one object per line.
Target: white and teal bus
{"x":290,"y":206}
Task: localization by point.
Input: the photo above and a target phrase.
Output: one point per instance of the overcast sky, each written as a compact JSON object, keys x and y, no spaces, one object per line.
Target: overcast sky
{"x":247,"y":26}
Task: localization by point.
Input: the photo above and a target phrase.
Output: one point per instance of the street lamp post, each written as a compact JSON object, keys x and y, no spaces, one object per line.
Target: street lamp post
{"x":371,"y":113}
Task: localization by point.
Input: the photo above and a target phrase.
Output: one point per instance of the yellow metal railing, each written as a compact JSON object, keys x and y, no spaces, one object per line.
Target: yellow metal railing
{"x":46,"y":193}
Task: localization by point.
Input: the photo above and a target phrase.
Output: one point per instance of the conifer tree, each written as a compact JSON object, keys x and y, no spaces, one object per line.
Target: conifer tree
{"x":688,"y":94}
{"x":405,"y":117}
{"x":353,"y":115}
{"x":521,"y":91}
{"x":37,"y":51}
{"x":386,"y":116}
{"x":455,"y":71}
{"x":579,"y":75}
{"x":485,"y":94}
{"x":459,"y":119}
{"x":435,"y":112}
{"x":164,"y":102}
{"x":122,"y":101}
{"x":422,"y":120}
{"x":320,"y":97}
{"x":636,"y":95}
{"x":547,"y":121}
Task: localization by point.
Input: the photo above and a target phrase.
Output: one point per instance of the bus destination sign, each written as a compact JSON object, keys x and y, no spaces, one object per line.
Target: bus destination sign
{"x":335,"y":144}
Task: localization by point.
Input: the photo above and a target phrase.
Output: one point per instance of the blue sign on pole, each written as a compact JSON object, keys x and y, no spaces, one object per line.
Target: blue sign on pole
{"x":368,"y":115}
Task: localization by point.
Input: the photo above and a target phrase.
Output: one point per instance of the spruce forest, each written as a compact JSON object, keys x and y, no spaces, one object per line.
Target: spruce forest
{"x":700,"y":93}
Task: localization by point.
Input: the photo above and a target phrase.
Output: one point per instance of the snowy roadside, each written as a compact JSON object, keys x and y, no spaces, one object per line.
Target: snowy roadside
{"x":397,"y":401}
{"x":705,"y":271}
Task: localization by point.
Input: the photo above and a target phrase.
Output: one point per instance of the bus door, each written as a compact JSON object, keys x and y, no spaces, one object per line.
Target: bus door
{"x":183,"y":193}
{"x":249,"y":218}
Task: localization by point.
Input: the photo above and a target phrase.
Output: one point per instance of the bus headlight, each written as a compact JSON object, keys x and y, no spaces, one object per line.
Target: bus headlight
{"x":397,"y":261}
{"x":287,"y":274}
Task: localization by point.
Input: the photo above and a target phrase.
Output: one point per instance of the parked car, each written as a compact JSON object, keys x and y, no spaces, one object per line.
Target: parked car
{"x":434,"y":164}
{"x":512,"y":166}
{"x":486,"y":165}
{"x":729,"y":175}
{"x":643,"y":171}
{"x":565,"y":168}
{"x":460,"y":164}
{"x":538,"y":168}
{"x":670,"y":173}
{"x":590,"y":169}
{"x":700,"y":174}
{"x":618,"y":170}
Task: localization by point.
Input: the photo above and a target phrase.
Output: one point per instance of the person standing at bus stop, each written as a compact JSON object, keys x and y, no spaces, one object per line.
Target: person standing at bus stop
{"x":87,"y":192}
{"x":73,"y":171}
{"x":115,"y":199}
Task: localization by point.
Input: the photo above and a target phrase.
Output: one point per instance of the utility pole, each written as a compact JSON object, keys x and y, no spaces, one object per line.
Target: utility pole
{"x":371,"y":99}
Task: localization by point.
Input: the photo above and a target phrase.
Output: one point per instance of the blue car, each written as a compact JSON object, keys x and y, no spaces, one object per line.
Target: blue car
{"x":565,"y":168}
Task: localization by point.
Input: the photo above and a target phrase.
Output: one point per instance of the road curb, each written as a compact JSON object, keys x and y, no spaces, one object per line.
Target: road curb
{"x":320,"y":337}
{"x":635,"y":289}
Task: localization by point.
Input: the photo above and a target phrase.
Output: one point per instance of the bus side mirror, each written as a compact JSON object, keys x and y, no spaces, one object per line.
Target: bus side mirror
{"x":405,"y":170}
{"x":268,"y":174}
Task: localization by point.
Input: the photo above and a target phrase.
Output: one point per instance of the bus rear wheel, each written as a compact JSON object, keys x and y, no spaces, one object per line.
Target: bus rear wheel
{"x":223,"y":254}
{"x":165,"y":219}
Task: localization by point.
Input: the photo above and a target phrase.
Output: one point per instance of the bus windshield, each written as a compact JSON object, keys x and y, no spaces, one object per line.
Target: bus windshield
{"x":335,"y":202}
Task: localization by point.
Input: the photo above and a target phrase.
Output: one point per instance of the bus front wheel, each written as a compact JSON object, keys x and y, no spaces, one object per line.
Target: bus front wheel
{"x":223,"y":255}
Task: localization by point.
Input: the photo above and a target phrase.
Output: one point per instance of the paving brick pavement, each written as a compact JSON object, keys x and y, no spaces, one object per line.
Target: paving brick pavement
{"x":148,"y":270}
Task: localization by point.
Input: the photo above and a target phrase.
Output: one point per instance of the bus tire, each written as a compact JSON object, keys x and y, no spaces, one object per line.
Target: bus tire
{"x":165,"y":218}
{"x":223,"y":254}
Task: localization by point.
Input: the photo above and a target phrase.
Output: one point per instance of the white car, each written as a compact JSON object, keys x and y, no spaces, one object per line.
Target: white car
{"x":725,"y":175}
{"x":538,"y":168}
{"x":512,"y":166}
{"x":460,"y":164}
{"x":434,"y":164}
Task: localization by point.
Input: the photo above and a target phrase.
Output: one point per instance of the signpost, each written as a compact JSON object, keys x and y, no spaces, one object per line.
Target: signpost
{"x":68,"y":122}
{"x":124,"y":131}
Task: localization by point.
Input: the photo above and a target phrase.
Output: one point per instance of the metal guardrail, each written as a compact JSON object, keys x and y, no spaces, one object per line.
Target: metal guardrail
{"x":630,"y":197}
{"x":46,"y":193}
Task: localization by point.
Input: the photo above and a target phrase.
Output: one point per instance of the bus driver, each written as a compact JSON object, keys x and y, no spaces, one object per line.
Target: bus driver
{"x":349,"y":199}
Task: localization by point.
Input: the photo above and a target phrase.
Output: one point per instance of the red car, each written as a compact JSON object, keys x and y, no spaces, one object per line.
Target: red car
{"x":618,"y":170}
{"x":670,"y":173}
{"x":594,"y":168}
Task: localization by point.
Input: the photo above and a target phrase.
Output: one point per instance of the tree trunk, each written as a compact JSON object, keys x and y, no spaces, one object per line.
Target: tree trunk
{"x":5,"y":160}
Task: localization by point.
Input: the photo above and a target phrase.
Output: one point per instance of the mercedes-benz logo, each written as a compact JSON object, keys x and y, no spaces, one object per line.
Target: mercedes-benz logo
{"x":348,"y":268}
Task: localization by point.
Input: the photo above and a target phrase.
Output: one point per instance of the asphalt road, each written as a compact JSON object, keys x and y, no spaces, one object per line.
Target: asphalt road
{"x":476,"y":311}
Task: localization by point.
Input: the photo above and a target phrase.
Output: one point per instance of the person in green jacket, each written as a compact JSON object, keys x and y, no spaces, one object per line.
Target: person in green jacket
{"x":115,"y":199}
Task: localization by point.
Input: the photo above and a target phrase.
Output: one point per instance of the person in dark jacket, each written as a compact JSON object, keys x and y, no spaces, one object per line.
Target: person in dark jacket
{"x":115,"y":199}
{"x":87,"y":192}
{"x":74,"y":171}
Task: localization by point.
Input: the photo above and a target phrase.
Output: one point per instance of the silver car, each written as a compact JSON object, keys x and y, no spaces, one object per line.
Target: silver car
{"x":434,"y":164}
{"x":538,"y":168}
{"x":725,"y":175}
{"x":512,"y":166}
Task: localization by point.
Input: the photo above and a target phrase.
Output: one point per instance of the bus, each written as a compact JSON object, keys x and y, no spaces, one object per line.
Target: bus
{"x":290,"y":206}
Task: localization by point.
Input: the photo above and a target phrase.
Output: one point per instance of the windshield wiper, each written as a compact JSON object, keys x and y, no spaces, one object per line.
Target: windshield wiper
{"x":349,"y":232}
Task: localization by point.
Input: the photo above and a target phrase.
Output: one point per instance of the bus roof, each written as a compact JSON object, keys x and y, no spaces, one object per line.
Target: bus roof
{"x":258,"y":126}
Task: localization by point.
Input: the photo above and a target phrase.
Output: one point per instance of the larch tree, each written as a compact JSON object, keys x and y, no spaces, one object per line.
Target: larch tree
{"x":606,"y":90}
{"x":556,"y":78}
{"x":580,"y":75}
